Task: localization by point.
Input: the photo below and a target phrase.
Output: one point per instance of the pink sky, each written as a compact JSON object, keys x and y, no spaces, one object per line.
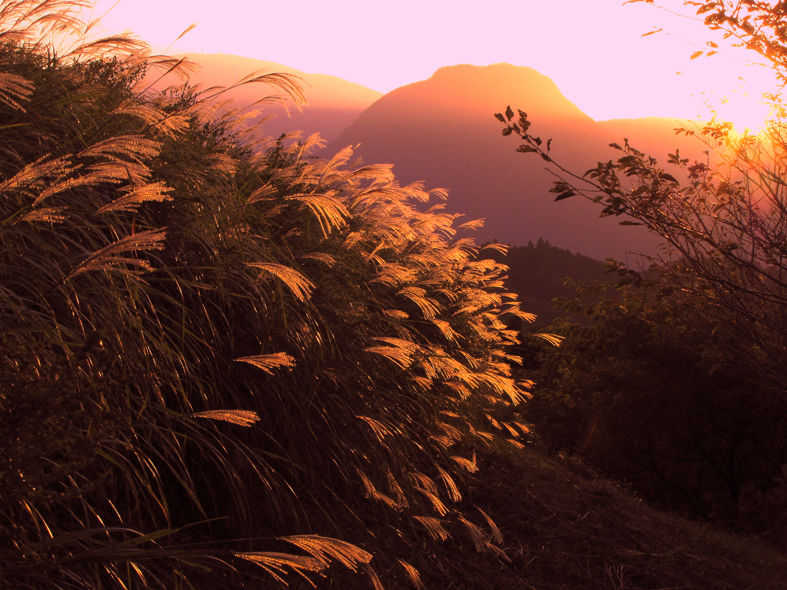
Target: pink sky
{"x":592,"y":49}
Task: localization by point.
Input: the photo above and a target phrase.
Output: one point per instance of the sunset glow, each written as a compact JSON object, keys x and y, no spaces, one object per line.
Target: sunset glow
{"x":745,"y":112}
{"x":594,"y":51}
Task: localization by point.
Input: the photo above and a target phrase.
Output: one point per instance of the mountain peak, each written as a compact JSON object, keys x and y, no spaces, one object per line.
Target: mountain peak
{"x":490,"y":89}
{"x":501,"y":72}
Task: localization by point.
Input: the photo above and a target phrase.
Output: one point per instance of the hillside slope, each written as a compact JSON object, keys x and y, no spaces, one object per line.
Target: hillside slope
{"x":565,"y":529}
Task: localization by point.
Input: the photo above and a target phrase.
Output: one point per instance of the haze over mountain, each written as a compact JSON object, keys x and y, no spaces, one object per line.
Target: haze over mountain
{"x":334,"y":103}
{"x":442,"y":131}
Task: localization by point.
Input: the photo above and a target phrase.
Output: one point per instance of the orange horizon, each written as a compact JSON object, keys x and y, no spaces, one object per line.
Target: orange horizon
{"x":594,"y":51}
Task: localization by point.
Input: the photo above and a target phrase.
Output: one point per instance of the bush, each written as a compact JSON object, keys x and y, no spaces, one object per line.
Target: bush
{"x":687,"y":380}
{"x":645,"y":394}
{"x":211,"y":353}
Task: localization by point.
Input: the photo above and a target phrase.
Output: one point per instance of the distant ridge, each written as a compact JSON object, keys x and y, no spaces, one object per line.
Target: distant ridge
{"x":334,"y":103}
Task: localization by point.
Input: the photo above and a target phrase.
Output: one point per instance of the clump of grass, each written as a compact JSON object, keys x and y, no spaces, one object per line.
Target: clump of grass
{"x":220,"y":362}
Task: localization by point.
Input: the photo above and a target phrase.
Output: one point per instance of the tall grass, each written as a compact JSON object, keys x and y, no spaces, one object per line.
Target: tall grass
{"x":217,"y":359}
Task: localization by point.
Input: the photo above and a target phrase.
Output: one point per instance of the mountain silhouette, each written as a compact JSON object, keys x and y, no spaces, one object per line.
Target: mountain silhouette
{"x":334,"y":103}
{"x":442,"y":131}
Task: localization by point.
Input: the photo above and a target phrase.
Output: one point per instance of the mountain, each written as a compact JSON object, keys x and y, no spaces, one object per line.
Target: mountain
{"x":334,"y":103}
{"x":442,"y":131}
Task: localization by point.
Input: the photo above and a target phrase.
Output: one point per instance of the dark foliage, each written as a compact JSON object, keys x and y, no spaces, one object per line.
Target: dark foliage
{"x":215,"y":357}
{"x":680,"y":384}
{"x":646,"y":395}
{"x":537,"y":273}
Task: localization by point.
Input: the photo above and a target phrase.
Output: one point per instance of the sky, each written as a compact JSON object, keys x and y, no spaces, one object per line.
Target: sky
{"x":594,"y":50}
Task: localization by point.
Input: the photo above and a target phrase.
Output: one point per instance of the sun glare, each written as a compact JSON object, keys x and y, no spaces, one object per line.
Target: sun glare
{"x":745,"y":112}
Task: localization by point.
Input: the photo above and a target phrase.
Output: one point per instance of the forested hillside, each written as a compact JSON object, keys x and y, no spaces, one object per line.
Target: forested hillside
{"x":538,"y":273}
